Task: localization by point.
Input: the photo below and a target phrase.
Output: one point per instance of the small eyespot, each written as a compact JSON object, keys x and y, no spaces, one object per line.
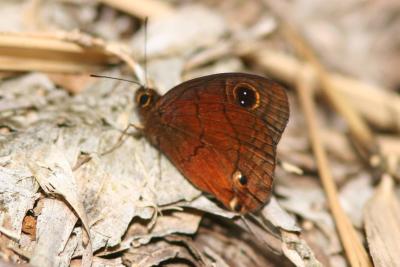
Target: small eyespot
{"x":242,"y":179}
{"x":143,"y":99}
{"x":235,"y":205}
{"x":246,"y":96}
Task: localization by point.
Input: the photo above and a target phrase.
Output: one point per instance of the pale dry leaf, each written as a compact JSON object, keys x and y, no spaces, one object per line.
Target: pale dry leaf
{"x":354,"y":195}
{"x":205,"y":204}
{"x":310,"y":203}
{"x":293,"y":256}
{"x":11,"y":15}
{"x":382,"y":220}
{"x":67,"y":254}
{"x":297,"y":250}
{"x":175,"y":222}
{"x":53,"y":171}
{"x":17,"y":196}
{"x":171,"y":35}
{"x":166,"y":72}
{"x":32,"y":87}
{"x":54,"y":226}
{"x":55,"y":15}
{"x":276,"y":215}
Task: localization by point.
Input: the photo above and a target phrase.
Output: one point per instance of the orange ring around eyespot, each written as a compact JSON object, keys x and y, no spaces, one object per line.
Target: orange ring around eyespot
{"x":248,"y":86}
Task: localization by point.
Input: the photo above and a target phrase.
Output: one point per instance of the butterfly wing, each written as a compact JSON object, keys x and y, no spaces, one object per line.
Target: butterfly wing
{"x":221,"y":132}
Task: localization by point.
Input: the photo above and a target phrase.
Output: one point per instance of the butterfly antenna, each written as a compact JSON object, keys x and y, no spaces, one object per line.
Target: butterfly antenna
{"x":114,"y":78}
{"x":146,"y":19}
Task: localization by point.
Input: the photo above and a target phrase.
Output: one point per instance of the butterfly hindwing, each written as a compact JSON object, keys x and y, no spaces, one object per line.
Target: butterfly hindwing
{"x":221,"y":132}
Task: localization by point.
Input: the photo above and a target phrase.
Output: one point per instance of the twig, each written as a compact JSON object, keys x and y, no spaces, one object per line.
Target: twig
{"x":354,"y":249}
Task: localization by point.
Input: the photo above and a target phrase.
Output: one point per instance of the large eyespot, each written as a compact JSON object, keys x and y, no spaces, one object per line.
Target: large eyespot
{"x":246,"y":96}
{"x":143,"y":99}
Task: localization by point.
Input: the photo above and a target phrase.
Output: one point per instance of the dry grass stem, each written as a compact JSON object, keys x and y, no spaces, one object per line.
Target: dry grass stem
{"x":356,"y":254}
{"x":62,"y":52}
{"x":19,"y":52}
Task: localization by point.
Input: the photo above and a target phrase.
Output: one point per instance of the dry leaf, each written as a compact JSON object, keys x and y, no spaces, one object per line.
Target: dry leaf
{"x":382,"y":220}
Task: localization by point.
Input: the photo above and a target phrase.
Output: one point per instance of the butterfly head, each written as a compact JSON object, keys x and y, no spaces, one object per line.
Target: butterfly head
{"x":145,"y":98}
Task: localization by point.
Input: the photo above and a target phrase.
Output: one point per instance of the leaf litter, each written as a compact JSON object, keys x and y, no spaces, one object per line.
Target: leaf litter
{"x":59,"y":180}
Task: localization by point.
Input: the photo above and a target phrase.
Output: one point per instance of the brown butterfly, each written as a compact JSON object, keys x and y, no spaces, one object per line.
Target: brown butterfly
{"x":221,"y":132}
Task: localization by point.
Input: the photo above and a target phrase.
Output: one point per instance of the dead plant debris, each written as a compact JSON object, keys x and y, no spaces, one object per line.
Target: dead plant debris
{"x":67,"y":199}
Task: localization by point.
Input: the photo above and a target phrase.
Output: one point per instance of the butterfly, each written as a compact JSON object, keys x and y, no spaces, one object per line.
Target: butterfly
{"x":221,"y":132}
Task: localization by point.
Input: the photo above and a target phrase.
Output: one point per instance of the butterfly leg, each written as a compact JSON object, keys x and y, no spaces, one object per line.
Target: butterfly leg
{"x":121,"y":139}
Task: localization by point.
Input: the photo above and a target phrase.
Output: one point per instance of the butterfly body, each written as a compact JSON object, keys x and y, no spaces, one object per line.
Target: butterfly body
{"x":221,"y":132}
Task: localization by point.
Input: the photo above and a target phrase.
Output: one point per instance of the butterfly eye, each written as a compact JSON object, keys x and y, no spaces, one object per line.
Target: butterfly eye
{"x":143,"y":99}
{"x":246,"y":96}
